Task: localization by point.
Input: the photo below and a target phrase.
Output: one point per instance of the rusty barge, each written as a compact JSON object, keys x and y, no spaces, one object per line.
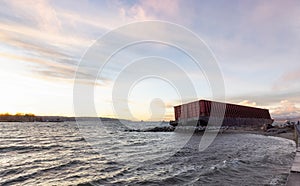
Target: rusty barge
{"x":198,"y":113}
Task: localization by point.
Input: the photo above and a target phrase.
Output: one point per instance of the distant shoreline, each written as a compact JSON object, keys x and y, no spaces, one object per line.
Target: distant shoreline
{"x":32,"y":118}
{"x":26,"y":118}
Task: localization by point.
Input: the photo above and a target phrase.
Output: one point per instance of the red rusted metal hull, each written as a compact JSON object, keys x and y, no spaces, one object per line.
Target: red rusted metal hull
{"x":201,"y":110}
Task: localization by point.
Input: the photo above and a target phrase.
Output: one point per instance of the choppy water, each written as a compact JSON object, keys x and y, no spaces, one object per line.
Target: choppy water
{"x":57,"y":154}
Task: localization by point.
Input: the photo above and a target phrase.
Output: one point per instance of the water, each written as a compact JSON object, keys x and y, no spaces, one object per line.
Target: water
{"x":57,"y":154}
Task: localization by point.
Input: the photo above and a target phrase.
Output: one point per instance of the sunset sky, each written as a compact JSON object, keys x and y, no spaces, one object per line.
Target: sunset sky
{"x":256,"y":44}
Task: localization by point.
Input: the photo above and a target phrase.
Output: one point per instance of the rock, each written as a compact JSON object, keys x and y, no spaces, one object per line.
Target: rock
{"x":155,"y":129}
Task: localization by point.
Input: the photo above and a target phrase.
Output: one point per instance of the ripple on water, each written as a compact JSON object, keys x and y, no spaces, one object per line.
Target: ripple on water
{"x":57,"y":154}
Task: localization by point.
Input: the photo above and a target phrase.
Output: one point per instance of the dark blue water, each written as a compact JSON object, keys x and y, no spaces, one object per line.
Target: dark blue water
{"x":58,"y":154}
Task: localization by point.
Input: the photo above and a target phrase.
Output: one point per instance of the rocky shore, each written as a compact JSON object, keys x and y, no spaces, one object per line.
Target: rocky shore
{"x":155,"y":129}
{"x":287,"y":132}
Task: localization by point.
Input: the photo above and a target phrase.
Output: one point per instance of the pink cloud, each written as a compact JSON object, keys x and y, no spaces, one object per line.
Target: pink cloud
{"x":41,"y":12}
{"x":286,"y":109}
{"x":291,"y":76}
{"x":247,"y":103}
{"x":288,"y":80}
{"x":167,"y":7}
{"x":150,"y":9}
{"x":270,"y":16}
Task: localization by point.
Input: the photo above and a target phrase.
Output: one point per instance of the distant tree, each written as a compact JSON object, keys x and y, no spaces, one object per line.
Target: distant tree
{"x":19,"y":114}
{"x":5,"y":114}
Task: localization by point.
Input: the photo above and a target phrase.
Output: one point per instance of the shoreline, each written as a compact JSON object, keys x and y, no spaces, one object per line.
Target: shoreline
{"x":286,"y":133}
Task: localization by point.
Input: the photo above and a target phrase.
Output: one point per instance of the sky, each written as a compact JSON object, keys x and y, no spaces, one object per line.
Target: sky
{"x":255,"y":43}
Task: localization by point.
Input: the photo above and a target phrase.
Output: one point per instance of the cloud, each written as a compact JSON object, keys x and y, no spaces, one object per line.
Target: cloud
{"x":150,"y":9}
{"x":167,"y":8}
{"x":39,"y":12}
{"x":48,"y":39}
{"x":36,"y":38}
{"x":255,"y":32}
{"x":33,"y":60}
{"x":33,"y":46}
{"x":280,"y":109}
{"x":288,"y":80}
{"x":257,"y":43}
{"x":135,"y":12}
{"x":247,"y":103}
{"x":50,"y":70}
{"x":77,"y":20}
{"x":286,"y":109}
{"x":267,"y":98}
